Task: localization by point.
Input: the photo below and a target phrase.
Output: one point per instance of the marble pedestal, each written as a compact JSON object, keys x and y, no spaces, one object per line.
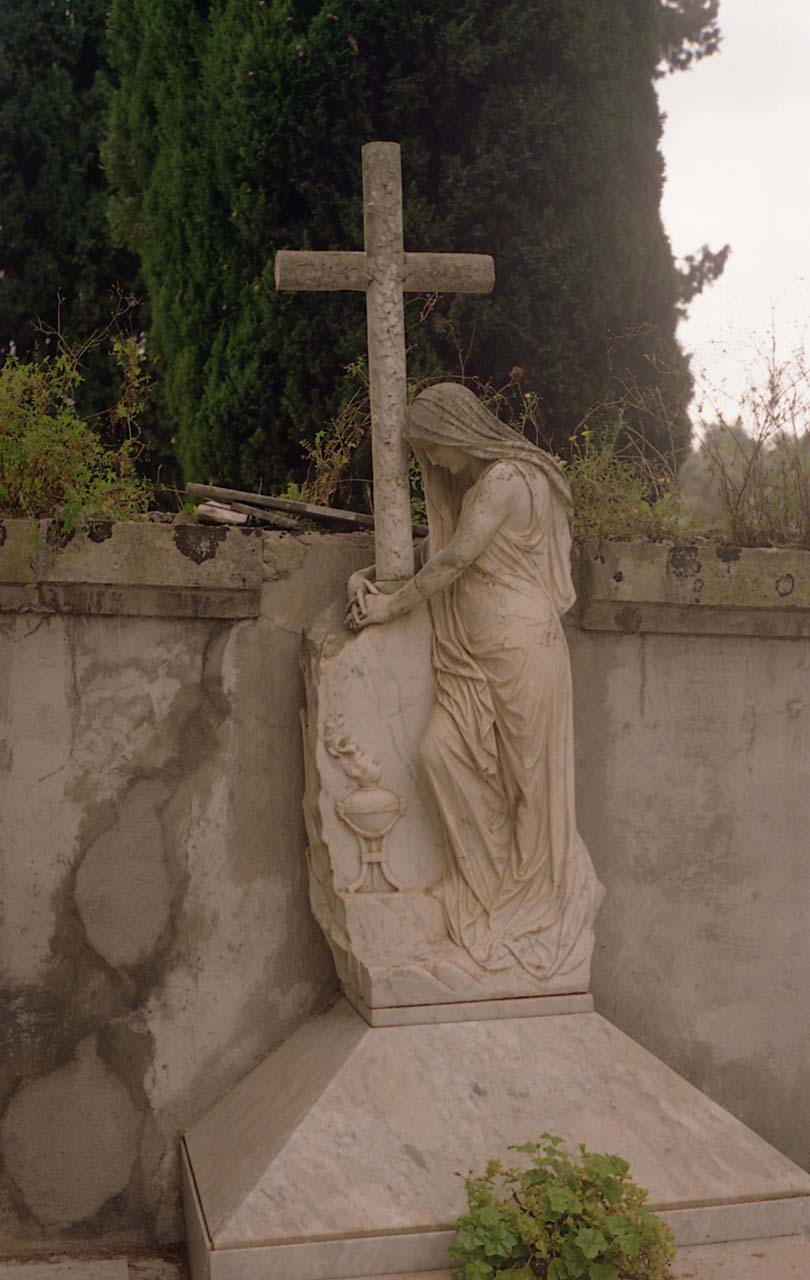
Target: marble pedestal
{"x":337,"y":1157}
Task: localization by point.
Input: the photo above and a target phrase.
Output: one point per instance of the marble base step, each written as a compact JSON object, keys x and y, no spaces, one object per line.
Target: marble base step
{"x":335,"y":1158}
{"x":779,"y":1258}
{"x":405,"y":1015}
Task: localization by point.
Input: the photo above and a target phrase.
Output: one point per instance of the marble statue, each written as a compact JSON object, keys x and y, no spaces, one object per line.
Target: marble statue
{"x":518,"y":888}
{"x":463,"y":877}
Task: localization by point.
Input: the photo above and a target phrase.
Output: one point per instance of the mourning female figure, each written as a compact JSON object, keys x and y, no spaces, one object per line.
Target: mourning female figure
{"x":519,"y":888}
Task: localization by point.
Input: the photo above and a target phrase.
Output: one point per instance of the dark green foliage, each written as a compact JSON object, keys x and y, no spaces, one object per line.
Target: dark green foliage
{"x":529,"y":130}
{"x":55,"y":238}
{"x":689,"y":31}
{"x":699,"y":270}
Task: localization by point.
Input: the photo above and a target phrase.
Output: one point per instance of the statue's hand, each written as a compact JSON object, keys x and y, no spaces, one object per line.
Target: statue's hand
{"x":369,"y":612}
{"x":358,"y":587}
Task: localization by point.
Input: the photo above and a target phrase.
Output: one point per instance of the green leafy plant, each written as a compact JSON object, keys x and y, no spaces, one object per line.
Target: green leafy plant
{"x":52,"y":461}
{"x":620,"y":492}
{"x":559,"y":1220}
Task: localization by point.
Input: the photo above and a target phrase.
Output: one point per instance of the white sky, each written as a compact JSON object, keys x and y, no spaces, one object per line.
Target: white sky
{"x":737,"y":150}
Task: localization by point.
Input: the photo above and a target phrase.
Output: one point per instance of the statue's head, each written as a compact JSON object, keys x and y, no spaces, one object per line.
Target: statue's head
{"x":450,"y":416}
{"x":447,"y":424}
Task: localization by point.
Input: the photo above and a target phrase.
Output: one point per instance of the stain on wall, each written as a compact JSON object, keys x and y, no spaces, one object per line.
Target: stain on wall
{"x":70,"y":1139}
{"x":198,"y":542}
{"x":123,"y":890}
{"x":157,"y":939}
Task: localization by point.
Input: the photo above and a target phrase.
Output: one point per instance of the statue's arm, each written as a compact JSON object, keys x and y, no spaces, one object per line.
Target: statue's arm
{"x":361,"y":580}
{"x":490,"y":503}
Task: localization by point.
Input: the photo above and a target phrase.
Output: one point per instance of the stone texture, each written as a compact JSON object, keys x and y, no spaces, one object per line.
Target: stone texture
{"x":378,"y":689}
{"x":692,"y":760}
{"x":785,"y":1258}
{"x":518,"y":893}
{"x":158,"y":1267}
{"x":123,"y":892}
{"x":695,"y":589}
{"x":70,"y":1139}
{"x":66,"y":1269}
{"x":112,"y":568}
{"x":381,"y":1135}
{"x":137,"y":1265}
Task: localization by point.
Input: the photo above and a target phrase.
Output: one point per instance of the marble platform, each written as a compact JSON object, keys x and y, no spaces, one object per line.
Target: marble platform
{"x":336,"y":1157}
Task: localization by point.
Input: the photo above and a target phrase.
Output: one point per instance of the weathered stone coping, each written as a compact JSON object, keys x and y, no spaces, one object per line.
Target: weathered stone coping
{"x":697,"y":588}
{"x":129,"y":568}
{"x":199,"y":571}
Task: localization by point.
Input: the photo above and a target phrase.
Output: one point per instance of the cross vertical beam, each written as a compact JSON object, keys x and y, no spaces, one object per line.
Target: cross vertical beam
{"x":385,"y":323}
{"x":384,"y":272}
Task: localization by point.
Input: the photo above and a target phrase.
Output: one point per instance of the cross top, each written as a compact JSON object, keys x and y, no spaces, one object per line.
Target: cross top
{"x":384,"y":272}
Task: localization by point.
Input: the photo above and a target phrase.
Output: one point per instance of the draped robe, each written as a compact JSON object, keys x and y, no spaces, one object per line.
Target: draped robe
{"x":519,"y":888}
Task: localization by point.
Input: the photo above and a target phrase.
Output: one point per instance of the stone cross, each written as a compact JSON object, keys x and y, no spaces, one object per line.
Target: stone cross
{"x":384,"y":272}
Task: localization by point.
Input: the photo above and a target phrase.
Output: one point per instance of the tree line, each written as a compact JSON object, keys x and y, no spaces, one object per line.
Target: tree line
{"x":173,"y":147}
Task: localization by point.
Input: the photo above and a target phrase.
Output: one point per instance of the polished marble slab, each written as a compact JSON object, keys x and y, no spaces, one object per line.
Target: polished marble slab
{"x":337,"y":1157}
{"x":780,"y":1258}
{"x":470,"y":1010}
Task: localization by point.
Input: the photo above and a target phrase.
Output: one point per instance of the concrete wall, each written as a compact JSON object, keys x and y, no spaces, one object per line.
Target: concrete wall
{"x":156,"y":941}
{"x":693,"y":756}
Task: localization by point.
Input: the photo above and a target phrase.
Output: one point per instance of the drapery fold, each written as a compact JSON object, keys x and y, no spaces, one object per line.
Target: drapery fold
{"x":519,"y":887}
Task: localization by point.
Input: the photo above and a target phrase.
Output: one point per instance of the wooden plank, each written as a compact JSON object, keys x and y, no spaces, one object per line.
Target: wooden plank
{"x":325,"y":515}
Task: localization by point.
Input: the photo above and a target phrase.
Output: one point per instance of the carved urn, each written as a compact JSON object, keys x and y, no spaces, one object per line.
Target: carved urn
{"x":371,"y":813}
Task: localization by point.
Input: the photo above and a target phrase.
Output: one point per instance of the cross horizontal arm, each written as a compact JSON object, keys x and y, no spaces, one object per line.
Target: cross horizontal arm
{"x":324,"y":272}
{"x":327,"y":272}
{"x":449,"y":273}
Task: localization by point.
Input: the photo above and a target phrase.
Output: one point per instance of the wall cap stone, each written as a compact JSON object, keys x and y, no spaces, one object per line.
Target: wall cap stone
{"x":697,"y":588}
{"x":184,"y":569}
{"x":131,"y":568}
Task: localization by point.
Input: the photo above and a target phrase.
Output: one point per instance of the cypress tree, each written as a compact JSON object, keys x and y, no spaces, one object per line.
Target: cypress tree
{"x":55,"y":238}
{"x":529,"y":130}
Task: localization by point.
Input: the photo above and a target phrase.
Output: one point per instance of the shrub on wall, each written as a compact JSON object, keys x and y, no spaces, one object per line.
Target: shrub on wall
{"x":52,"y":462}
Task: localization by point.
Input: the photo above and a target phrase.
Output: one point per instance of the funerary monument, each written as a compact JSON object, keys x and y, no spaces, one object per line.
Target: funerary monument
{"x":446,"y":870}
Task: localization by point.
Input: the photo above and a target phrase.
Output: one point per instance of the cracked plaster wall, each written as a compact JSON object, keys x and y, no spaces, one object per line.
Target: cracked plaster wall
{"x":156,"y":941}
